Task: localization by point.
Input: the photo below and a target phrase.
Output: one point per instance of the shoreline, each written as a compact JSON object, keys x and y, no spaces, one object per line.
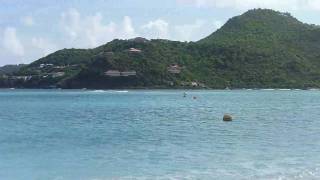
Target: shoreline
{"x":186,"y":89}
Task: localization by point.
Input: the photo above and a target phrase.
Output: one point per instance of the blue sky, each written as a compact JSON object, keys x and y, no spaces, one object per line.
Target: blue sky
{"x":30,"y":29}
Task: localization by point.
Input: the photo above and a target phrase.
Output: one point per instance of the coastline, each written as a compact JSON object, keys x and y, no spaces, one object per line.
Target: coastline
{"x":166,"y":88}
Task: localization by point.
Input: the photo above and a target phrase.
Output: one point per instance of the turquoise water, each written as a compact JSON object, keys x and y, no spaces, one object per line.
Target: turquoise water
{"x":158,"y":134}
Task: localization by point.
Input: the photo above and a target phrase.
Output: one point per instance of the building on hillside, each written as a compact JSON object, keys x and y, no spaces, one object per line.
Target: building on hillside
{"x":58,"y":74}
{"x":59,"y":67}
{"x":116,"y":73}
{"x":128,"y":73}
{"x":134,"y":50}
{"x":113,"y":73}
{"x":24,"y":78}
{"x":174,"y":69}
{"x":45,"y":65}
{"x":194,"y":84}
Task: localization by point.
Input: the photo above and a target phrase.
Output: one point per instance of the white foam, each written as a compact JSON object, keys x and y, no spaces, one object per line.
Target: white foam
{"x":98,"y":91}
{"x":122,"y":91}
{"x":109,"y":91}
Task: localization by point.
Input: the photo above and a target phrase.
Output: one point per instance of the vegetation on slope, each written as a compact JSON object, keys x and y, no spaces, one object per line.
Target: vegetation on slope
{"x":259,"y":49}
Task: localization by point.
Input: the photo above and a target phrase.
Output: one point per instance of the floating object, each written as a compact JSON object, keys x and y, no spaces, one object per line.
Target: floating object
{"x":194,"y":97}
{"x":227,"y":117}
{"x":184,"y":94}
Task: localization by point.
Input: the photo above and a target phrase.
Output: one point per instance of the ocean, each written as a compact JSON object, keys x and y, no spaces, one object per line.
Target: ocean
{"x":159,"y":134}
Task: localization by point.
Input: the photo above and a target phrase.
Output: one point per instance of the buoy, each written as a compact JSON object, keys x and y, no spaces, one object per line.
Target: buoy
{"x":227,"y":117}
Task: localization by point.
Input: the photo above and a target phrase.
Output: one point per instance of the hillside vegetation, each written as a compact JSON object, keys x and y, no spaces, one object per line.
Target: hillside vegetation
{"x":259,"y":49}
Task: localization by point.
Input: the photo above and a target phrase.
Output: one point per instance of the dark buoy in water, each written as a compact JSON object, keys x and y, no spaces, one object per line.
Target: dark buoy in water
{"x":227,"y":117}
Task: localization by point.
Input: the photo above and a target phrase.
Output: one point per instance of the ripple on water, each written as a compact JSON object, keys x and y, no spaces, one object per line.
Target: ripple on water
{"x":48,"y":134}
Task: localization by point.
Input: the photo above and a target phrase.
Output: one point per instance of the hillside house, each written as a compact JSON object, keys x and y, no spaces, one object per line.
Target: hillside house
{"x":58,"y":74}
{"x":116,"y":73}
{"x":113,"y":73}
{"x":128,"y":73}
{"x":45,"y":65}
{"x":174,"y":69}
{"x":24,"y":78}
{"x":59,"y":67}
{"x":134,"y":50}
{"x":194,"y":84}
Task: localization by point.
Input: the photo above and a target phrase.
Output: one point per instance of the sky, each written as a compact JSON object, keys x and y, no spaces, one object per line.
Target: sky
{"x":31,"y":29}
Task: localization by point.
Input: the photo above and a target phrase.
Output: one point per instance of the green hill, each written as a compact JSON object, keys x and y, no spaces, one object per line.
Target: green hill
{"x":9,"y":69}
{"x":259,"y":49}
{"x":269,"y":49}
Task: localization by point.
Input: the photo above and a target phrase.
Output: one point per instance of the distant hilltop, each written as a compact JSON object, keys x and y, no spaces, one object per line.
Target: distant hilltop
{"x":261,"y":48}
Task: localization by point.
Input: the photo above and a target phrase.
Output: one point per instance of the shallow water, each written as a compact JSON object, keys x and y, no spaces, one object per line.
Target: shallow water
{"x":158,"y":134}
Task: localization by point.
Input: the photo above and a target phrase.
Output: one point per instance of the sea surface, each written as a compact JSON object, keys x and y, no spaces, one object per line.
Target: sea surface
{"x":159,"y":134}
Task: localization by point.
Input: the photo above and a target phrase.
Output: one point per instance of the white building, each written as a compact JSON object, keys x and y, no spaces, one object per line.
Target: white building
{"x":134,"y":50}
{"x":128,"y":73}
{"x":24,"y":78}
{"x":58,"y":74}
{"x":194,"y":84}
{"x":116,"y":73}
{"x":113,"y":73}
{"x":45,"y":65}
{"x":174,"y":69}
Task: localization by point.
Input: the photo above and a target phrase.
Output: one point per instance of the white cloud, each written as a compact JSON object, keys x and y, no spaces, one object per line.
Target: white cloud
{"x":187,"y":32}
{"x":91,"y":31}
{"x":27,"y":20}
{"x":127,"y":28}
{"x":160,"y":28}
{"x":43,"y":45}
{"x":249,"y":4}
{"x":71,"y":23}
{"x":157,"y":29}
{"x":11,"y":42}
{"x":96,"y":32}
{"x":314,"y":4}
{"x":195,"y":31}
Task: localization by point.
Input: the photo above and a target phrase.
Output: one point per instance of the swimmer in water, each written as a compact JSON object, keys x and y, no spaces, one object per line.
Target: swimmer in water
{"x":184,"y":94}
